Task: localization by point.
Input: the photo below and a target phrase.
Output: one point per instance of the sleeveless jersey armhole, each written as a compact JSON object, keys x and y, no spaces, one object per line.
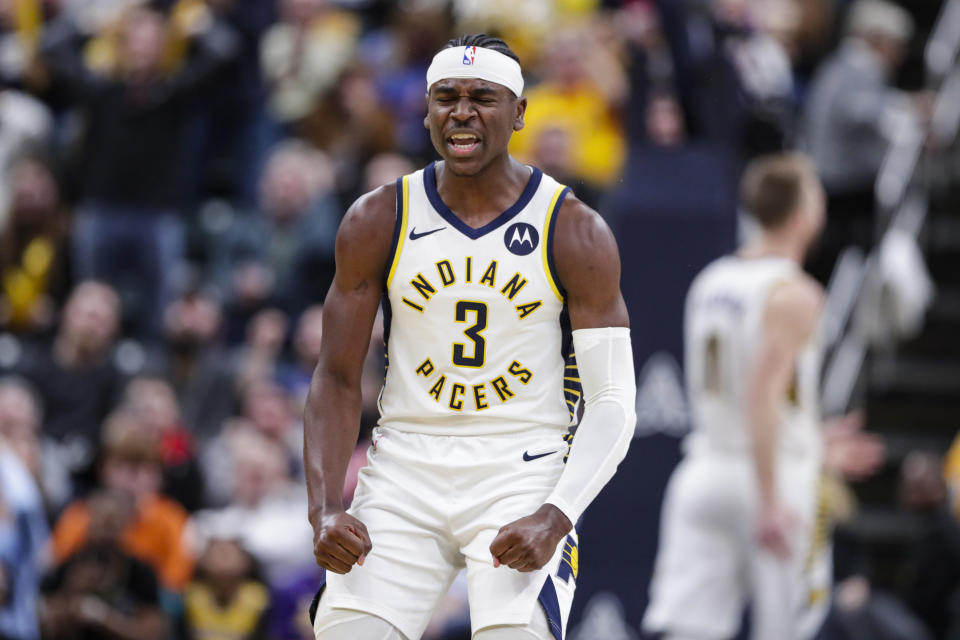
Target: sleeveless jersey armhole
{"x":400,"y":228}
{"x":549,"y":267}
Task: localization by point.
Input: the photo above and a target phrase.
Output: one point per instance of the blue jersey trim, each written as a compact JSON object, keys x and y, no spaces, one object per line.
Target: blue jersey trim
{"x":387,"y":321}
{"x":396,"y":232}
{"x":551,"y":606}
{"x":430,"y":186}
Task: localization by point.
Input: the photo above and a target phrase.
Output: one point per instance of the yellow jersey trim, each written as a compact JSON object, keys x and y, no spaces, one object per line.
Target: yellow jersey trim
{"x":546,"y":243}
{"x":404,"y":199}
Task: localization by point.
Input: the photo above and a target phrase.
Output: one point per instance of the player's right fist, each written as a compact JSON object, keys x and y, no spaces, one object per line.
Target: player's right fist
{"x":339,"y":541}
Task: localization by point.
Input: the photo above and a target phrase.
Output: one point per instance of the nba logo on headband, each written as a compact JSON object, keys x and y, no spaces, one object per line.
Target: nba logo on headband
{"x":468,"y":62}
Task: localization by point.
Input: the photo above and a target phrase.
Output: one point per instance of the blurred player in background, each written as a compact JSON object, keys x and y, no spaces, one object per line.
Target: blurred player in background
{"x":743,"y":520}
{"x":485,"y":266}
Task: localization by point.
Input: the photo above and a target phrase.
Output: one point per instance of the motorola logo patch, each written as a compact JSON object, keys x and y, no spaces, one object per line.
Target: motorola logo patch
{"x":521,"y":238}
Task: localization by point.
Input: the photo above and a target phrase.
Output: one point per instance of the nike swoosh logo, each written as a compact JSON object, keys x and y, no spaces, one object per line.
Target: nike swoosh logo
{"x":416,"y":236}
{"x":527,"y":457}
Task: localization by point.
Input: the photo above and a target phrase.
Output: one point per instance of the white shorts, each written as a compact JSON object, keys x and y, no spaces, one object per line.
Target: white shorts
{"x":709,"y":565}
{"x":432,"y":506}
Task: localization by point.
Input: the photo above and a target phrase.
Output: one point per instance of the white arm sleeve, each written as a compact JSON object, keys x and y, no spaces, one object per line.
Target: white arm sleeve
{"x":605,"y":361}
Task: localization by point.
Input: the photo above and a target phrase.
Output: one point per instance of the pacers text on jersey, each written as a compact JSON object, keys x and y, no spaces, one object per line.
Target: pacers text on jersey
{"x":455,"y":394}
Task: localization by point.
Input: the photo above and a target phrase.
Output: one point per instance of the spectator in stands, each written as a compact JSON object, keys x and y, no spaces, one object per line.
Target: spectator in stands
{"x":295,"y":376}
{"x":75,"y":376}
{"x":20,"y":421}
{"x":129,"y":229}
{"x":217,"y":459}
{"x":23,"y":535}
{"x":20,"y":25}
{"x":385,"y":168}
{"x":584,"y":85}
{"x":156,"y":532}
{"x":33,"y":251}
{"x":353,"y":125}
{"x":302,"y":56}
{"x":282,"y":255}
{"x":666,"y":127}
{"x":553,"y":154}
{"x":933,"y":567}
{"x":259,"y":356}
{"x":154,"y":403}
{"x":853,"y":110}
{"x":716,"y":74}
{"x":95,"y":16}
{"x":270,"y":411}
{"x":399,"y":55}
{"x":265,"y":506}
{"x":851,"y":115}
{"x":192,"y":321}
{"x":25,"y":128}
{"x":758,"y":42}
{"x":227,"y":149}
{"x":102,"y":590}
{"x":225,"y":600}
{"x":212,"y":392}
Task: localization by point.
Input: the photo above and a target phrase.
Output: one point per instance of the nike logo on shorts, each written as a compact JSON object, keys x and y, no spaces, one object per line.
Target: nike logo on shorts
{"x":527,"y":457}
{"x":416,"y":236}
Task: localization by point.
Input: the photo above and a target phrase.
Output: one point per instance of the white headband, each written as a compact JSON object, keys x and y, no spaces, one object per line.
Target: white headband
{"x":476,"y":62}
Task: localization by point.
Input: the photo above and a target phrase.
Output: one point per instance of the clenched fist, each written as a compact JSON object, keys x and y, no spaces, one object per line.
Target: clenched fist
{"x":528,"y":543}
{"x":339,"y":541}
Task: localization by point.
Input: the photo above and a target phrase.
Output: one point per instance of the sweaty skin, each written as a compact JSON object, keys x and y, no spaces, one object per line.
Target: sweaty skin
{"x":477,"y":185}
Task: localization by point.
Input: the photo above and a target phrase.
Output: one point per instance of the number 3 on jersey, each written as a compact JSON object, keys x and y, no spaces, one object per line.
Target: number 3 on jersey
{"x":479,"y":311}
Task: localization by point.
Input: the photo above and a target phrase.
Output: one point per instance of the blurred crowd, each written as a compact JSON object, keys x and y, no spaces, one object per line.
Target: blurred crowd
{"x":172,"y":175}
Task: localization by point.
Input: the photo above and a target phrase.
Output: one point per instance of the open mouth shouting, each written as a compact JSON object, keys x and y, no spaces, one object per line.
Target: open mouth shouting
{"x":463,"y":143}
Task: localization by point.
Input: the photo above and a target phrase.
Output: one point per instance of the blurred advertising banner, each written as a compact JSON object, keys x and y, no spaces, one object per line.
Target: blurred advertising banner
{"x":674,"y":213}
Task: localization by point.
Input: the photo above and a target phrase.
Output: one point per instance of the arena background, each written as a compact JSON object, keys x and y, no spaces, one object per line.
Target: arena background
{"x":194,"y":157}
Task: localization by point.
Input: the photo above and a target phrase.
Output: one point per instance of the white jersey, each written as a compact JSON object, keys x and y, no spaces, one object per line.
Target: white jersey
{"x":723,"y":325}
{"x":475,"y":322}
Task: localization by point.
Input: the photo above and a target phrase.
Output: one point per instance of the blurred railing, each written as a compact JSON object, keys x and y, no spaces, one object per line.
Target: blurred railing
{"x":855,"y":288}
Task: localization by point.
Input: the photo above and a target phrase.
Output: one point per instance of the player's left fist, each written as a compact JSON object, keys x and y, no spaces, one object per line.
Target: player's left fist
{"x":528,"y":543}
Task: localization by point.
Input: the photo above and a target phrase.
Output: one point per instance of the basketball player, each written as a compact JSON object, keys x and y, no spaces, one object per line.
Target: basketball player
{"x":741,"y":521}
{"x":484,"y":265}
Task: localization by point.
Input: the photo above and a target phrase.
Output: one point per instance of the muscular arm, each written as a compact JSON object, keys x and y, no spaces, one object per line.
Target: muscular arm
{"x":332,"y":412}
{"x":790,"y":318}
{"x":588,"y":265}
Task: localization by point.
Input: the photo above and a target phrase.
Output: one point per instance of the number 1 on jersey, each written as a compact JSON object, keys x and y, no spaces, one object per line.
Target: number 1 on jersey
{"x":479,"y":309}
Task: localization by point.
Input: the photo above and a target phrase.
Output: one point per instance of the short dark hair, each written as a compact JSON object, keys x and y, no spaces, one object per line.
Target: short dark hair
{"x":773,"y":186}
{"x":484,"y":41}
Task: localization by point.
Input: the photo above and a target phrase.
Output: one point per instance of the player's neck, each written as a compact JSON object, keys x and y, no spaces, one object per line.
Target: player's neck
{"x":480,"y":198}
{"x":770,"y":245}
